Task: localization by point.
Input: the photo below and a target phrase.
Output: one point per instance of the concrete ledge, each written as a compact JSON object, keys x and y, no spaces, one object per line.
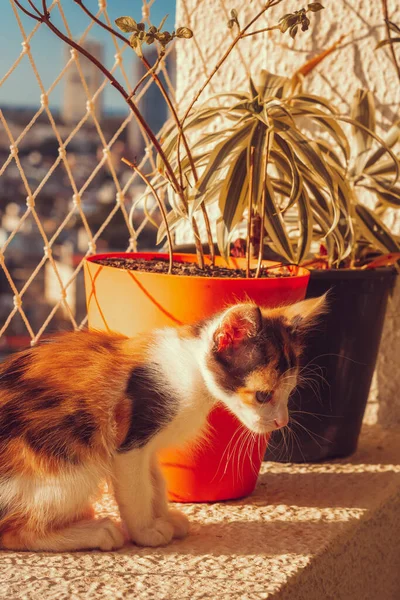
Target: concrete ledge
{"x":326,"y":531}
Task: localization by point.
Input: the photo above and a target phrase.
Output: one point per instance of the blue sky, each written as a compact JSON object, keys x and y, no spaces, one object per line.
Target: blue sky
{"x":21,"y":89}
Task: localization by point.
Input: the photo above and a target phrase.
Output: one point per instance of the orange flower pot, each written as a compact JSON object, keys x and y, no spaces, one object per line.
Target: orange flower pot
{"x":132,"y":302}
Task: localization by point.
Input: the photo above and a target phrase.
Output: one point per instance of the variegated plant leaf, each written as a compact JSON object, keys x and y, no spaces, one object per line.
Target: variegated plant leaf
{"x":386,"y":148}
{"x":221,"y":153}
{"x":297,"y":180}
{"x":173,"y":219}
{"x":362,"y":111}
{"x":391,"y":139}
{"x":381,"y":168}
{"x":275,"y":226}
{"x":386,"y":193}
{"x":222,"y":238}
{"x":329,"y":153}
{"x":333,"y":237}
{"x":257,"y":142}
{"x":311,"y":100}
{"x":233,"y":197}
{"x":374,"y":230}
{"x":269,"y":85}
{"x":305,"y":216}
{"x":329,"y":124}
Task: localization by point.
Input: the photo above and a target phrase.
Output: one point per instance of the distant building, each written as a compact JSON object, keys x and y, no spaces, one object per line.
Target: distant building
{"x":152,"y":105}
{"x":75,"y":96}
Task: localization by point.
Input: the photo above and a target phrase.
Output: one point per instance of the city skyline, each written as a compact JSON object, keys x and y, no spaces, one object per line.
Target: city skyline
{"x":21,"y":88}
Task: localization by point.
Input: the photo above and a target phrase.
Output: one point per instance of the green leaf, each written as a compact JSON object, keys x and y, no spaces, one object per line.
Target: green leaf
{"x":136,"y":44}
{"x":375,"y":231}
{"x":386,"y":42}
{"x":315,"y":6}
{"x":363,"y":111}
{"x":161,"y":25}
{"x":126,"y":24}
{"x":184,"y":32}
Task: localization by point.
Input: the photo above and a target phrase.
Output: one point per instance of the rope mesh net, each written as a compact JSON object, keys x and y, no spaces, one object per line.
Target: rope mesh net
{"x":64,"y":193}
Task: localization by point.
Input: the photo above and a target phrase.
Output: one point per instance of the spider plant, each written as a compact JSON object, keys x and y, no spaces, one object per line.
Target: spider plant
{"x":280,"y":156}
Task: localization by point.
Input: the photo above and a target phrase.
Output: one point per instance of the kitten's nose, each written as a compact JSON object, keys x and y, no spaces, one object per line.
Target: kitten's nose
{"x":281,"y":422}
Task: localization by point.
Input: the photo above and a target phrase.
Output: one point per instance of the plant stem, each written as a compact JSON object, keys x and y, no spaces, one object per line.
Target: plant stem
{"x":239,"y":36}
{"x":160,"y":206}
{"x":389,"y":34}
{"x":250,"y":211}
{"x":260,"y":31}
{"x":152,"y":71}
{"x":199,"y":248}
{"x":45,"y":18}
{"x":31,"y":15}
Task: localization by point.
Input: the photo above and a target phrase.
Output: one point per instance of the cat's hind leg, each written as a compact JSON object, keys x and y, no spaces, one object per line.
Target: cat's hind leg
{"x":102,"y":534}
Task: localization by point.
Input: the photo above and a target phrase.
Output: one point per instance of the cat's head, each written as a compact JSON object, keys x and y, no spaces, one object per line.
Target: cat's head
{"x":252,"y":361}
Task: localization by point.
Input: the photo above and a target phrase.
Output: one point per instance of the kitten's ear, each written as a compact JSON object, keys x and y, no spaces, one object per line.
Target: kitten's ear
{"x":305,"y":314}
{"x":238,"y":323}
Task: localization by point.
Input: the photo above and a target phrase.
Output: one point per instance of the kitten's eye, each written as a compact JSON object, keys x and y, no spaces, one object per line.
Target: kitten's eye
{"x":263,"y":397}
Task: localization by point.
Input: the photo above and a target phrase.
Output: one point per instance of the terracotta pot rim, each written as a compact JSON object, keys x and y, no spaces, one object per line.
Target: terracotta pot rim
{"x":302,"y":272}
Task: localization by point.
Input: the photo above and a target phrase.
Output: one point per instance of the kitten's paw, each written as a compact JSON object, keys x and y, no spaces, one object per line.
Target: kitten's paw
{"x":107,"y":535}
{"x":160,"y":534}
{"x":179,"y":522}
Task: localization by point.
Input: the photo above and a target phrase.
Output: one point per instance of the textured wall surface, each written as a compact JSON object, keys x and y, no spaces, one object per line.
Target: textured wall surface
{"x":355,"y":65}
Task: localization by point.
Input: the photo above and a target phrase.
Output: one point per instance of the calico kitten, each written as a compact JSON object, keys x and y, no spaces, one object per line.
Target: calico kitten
{"x":91,"y":406}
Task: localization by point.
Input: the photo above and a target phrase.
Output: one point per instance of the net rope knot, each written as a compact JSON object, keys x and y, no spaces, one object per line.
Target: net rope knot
{"x":17,"y":301}
{"x":44,"y":100}
{"x":76,"y":200}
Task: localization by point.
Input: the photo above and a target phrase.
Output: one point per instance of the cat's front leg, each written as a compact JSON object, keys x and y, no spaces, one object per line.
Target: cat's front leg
{"x":178,"y":519}
{"x":134,"y":492}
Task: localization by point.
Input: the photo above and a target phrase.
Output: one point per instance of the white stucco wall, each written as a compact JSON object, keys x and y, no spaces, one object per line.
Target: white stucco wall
{"x":356,"y":65}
